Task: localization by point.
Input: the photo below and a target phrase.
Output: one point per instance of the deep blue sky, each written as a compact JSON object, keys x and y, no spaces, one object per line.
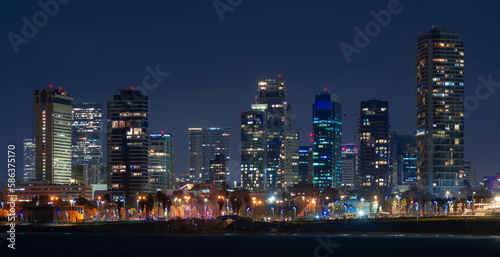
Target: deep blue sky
{"x":91,"y":48}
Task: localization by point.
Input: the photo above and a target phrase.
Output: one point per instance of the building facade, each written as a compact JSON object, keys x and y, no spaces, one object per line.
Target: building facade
{"x":204,"y":145}
{"x":253,"y":148}
{"x":305,"y":164}
{"x":374,"y":145}
{"x":52,"y":112}
{"x":161,"y":166}
{"x":440,"y":111}
{"x":29,"y":155}
{"x":128,"y":143}
{"x":350,"y":166}
{"x":327,"y":141}
{"x":470,"y":174}
{"x":218,"y":169}
{"x":86,"y":143}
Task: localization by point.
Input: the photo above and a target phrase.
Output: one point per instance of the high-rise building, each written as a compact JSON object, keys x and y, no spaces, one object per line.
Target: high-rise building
{"x":305,"y":164}
{"x":470,"y":174}
{"x":402,"y":145}
{"x":53,"y":108}
{"x":218,"y":169}
{"x":327,"y":141}
{"x":407,"y":167}
{"x":253,"y":148}
{"x":440,"y":111}
{"x":128,"y":143}
{"x":279,"y":162}
{"x":350,"y":166}
{"x":29,"y":151}
{"x":374,"y":145}
{"x":290,"y":158}
{"x":161,"y":169}
{"x":273,"y":93}
{"x":204,"y":145}
{"x":86,"y":143}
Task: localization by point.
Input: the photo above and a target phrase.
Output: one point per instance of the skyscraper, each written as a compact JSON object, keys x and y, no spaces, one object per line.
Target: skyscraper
{"x":29,"y":151}
{"x":470,"y":174}
{"x":305,"y":164}
{"x":204,"y":145}
{"x":440,"y":111}
{"x":273,"y":93}
{"x":290,"y":158}
{"x":374,"y":148}
{"x":279,"y":162}
{"x":327,"y":141}
{"x":403,"y":167}
{"x":53,"y":108}
{"x":87,"y":141}
{"x":350,"y":165}
{"x":161,"y":169}
{"x":253,"y":148}
{"x":218,"y":169}
{"x":128,"y":143}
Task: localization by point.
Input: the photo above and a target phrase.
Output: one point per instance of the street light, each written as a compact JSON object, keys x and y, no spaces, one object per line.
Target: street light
{"x":295,"y":209}
{"x":473,"y":203}
{"x":272,"y":208}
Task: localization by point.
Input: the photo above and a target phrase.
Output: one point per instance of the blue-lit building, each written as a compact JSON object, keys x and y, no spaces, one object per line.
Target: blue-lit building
{"x":408,"y":167}
{"x":327,"y":141}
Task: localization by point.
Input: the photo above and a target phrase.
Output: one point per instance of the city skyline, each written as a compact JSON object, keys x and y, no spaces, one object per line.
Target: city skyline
{"x":300,"y":91}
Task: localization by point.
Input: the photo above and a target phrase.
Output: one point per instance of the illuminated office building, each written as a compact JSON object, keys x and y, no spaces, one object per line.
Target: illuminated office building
{"x":53,"y":108}
{"x":204,"y":145}
{"x":161,"y":169}
{"x":327,"y":141}
{"x":218,"y":169}
{"x":29,"y":151}
{"x":350,"y":166}
{"x":374,"y":145}
{"x":278,"y":163}
{"x":87,"y":141}
{"x":128,"y":143}
{"x":440,"y":111}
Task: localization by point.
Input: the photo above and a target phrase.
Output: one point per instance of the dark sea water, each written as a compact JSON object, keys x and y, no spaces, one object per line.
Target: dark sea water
{"x":53,"y":244}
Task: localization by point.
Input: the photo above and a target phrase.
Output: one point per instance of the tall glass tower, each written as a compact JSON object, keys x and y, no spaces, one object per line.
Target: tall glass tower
{"x":204,"y":145}
{"x":86,"y":143}
{"x":279,"y":163}
{"x":29,"y":151}
{"x":53,"y":108}
{"x":440,"y":111}
{"x":327,"y":141}
{"x":161,"y":167}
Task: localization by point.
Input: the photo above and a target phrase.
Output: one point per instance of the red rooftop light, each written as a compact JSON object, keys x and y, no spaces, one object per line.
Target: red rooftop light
{"x":60,"y":88}
{"x":279,"y":76}
{"x":131,"y":87}
{"x":162,"y":132}
{"x":50,"y":85}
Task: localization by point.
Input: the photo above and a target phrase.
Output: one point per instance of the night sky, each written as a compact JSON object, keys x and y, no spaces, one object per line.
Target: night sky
{"x":92,"y":48}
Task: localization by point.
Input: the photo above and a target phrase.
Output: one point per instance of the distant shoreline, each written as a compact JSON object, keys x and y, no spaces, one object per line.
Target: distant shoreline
{"x":489,"y":226}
